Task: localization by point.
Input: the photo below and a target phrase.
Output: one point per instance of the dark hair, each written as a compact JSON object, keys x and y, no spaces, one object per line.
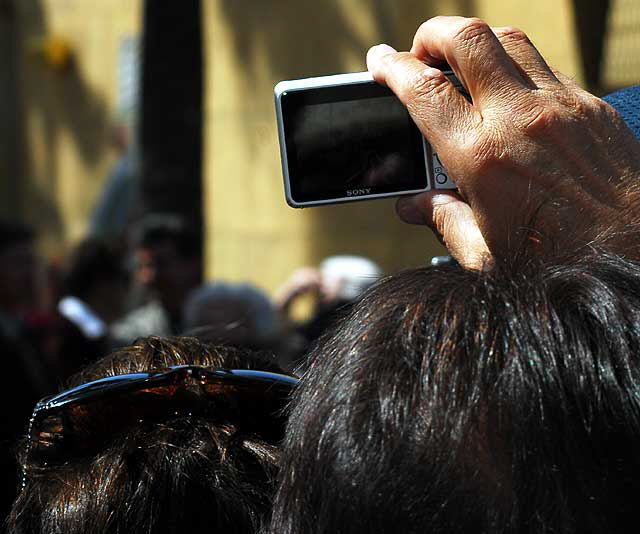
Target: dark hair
{"x":182,"y":474}
{"x":453,"y":401}
{"x":157,"y":228}
{"x":91,"y":262}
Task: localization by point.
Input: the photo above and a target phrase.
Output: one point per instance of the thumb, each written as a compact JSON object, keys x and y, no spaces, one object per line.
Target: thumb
{"x":452,"y":220}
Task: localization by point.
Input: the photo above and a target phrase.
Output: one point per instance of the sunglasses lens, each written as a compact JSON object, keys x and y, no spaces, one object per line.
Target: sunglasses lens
{"x":83,"y":424}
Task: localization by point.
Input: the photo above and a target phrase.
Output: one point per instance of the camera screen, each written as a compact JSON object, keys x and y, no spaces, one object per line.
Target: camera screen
{"x":351,"y":138}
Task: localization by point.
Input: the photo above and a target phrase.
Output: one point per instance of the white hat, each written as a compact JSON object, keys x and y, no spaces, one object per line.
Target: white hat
{"x":350,"y":275}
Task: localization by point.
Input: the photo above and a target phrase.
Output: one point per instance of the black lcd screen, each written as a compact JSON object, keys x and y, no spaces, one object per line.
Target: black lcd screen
{"x":351,"y":137}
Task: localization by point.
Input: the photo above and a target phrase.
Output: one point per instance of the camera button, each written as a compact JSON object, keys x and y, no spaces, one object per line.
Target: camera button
{"x":440,"y":177}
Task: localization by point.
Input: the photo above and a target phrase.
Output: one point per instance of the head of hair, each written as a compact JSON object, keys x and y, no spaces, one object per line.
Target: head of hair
{"x":159,"y":228}
{"x":91,"y":263}
{"x":227,"y":313}
{"x":175,"y":475}
{"x":453,"y":401}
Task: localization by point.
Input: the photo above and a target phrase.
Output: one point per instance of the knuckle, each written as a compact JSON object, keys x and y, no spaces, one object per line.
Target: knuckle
{"x":601,"y":118}
{"x":540,"y":120}
{"x":549,"y":113}
{"x":471,"y":30}
{"x":576,"y":103}
{"x":427,"y":84}
{"x":558,"y":113}
{"x":513,"y":34}
{"x":601,"y":109}
{"x":578,"y":107}
{"x":600,"y":105}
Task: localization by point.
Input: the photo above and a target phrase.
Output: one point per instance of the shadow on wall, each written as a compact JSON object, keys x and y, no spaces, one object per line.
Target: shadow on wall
{"x":311,"y":36}
{"x":56,"y":102}
{"x":296,"y":37}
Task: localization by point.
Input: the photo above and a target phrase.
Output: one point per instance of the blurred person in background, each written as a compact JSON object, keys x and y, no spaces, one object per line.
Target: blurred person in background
{"x":240,"y":315}
{"x":118,"y":202}
{"x":95,"y":284}
{"x":177,"y":436}
{"x":19,"y":264}
{"x":231,"y":314}
{"x":167,"y":257}
{"x":334,"y":285}
{"x":23,"y":361}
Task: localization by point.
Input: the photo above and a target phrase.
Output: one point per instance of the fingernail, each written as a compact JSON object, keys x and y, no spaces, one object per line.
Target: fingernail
{"x":382,"y":50}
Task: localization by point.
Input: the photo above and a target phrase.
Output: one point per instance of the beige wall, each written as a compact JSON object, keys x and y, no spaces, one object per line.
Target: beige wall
{"x":67,"y":114}
{"x":548,"y":23}
{"x":622,"y":47}
{"x":250,"y":46}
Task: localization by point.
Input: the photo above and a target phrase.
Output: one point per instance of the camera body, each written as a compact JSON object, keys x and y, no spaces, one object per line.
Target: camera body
{"x":345,"y":138}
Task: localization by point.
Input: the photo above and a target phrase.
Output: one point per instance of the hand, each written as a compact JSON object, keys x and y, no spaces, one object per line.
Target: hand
{"x":541,"y":165}
{"x":301,"y":282}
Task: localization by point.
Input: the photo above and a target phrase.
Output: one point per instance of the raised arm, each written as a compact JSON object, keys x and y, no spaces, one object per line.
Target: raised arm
{"x":542,"y":166}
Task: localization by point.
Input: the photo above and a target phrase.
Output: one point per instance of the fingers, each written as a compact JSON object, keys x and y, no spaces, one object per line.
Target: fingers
{"x":436,"y":106}
{"x":526,"y":58}
{"x":566,"y":80}
{"x":450,"y":218}
{"x":475,"y":54}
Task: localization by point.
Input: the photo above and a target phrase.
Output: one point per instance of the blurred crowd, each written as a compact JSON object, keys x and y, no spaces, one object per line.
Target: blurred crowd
{"x":58,"y":318}
{"x":498,"y":393}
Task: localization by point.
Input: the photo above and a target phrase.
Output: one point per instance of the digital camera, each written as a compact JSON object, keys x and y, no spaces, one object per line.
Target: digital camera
{"x":345,"y":138}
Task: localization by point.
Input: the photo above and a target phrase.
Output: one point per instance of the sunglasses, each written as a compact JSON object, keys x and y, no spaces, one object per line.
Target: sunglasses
{"x":78,"y":420}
